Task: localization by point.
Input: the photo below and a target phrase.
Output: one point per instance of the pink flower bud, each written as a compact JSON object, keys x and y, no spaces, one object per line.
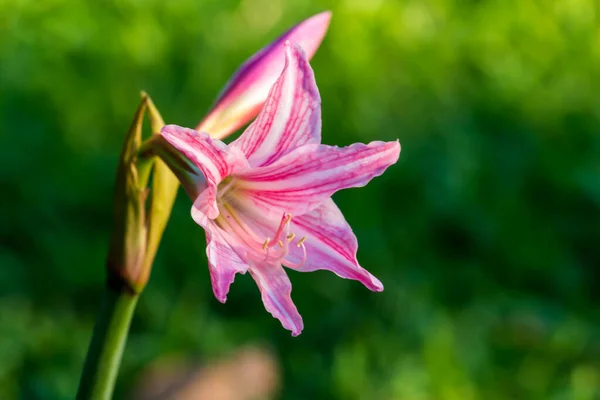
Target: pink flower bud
{"x":245,"y":93}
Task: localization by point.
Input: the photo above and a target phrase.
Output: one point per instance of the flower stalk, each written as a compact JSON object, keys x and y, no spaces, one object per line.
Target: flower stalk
{"x":108,"y":341}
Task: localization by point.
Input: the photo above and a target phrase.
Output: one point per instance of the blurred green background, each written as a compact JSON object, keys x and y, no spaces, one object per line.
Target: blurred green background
{"x":486,"y":233}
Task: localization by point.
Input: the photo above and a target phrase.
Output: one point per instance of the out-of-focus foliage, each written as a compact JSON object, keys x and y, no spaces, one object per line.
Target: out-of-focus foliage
{"x":486,"y":234}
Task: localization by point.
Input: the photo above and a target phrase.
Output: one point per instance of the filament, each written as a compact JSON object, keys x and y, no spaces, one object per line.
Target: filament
{"x":263,"y":250}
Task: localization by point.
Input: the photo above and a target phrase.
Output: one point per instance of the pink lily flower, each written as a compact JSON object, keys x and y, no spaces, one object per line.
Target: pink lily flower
{"x":246,"y":91}
{"x":265,"y":199}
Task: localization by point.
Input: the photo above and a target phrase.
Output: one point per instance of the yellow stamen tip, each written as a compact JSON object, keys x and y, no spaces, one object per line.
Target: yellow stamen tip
{"x":290,"y":237}
{"x":301,"y":241}
{"x":280,"y":243}
{"x":266,"y":244}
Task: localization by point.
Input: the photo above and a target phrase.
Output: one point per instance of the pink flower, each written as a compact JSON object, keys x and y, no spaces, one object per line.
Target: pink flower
{"x":265,"y":199}
{"x":246,"y":91}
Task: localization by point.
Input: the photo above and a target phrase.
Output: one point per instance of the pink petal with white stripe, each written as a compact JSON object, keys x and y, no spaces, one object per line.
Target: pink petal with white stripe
{"x":291,"y":116}
{"x":213,"y":157}
{"x":276,"y":289}
{"x":330,"y":245}
{"x":244,"y":95}
{"x":223,"y":263}
{"x":301,"y":180}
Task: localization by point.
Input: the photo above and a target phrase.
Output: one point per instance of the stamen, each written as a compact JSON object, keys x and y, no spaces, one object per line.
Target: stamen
{"x":270,"y":254}
{"x":304,"y":257}
{"x":301,"y":242}
{"x":238,"y":225}
{"x":248,"y":237}
{"x":267,"y":251}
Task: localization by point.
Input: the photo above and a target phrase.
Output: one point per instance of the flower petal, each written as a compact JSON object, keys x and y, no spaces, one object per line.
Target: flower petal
{"x":291,"y":116}
{"x":223,"y":263}
{"x":330,"y":244}
{"x":301,"y":180}
{"x":243,"y":96}
{"x":276,"y":288}
{"x":214,"y":159}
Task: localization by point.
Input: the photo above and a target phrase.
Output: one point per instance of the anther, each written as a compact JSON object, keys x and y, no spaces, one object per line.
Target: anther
{"x":301,"y":241}
{"x":290,"y":237}
{"x":266,"y":244}
{"x":280,"y":243}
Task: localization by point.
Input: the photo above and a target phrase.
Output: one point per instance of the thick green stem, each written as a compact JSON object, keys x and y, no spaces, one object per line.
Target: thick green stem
{"x":106,"y":348}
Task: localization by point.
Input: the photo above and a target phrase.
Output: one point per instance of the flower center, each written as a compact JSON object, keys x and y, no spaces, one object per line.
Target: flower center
{"x":250,"y":231}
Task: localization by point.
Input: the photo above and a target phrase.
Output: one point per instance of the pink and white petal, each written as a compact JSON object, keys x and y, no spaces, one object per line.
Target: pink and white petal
{"x":246,"y":91}
{"x":301,"y":180}
{"x":223,"y":263}
{"x":214,"y":159}
{"x":330,"y":245}
{"x":291,"y":116}
{"x":276,"y":288}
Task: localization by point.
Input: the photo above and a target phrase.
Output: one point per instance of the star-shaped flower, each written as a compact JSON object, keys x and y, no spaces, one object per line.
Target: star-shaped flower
{"x":265,"y":199}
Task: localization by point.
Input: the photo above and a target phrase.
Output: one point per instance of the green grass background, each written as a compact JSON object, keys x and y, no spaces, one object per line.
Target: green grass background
{"x":486,"y":234}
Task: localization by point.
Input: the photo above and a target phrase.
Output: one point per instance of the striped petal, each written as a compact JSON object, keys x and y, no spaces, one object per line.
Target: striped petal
{"x":330,"y":245}
{"x":276,"y":289}
{"x":211,"y":156}
{"x":223,"y":262}
{"x":244,"y":95}
{"x":301,"y":180}
{"x":291,"y":116}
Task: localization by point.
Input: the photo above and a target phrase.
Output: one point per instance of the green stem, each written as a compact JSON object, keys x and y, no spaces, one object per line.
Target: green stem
{"x":106,"y":348}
